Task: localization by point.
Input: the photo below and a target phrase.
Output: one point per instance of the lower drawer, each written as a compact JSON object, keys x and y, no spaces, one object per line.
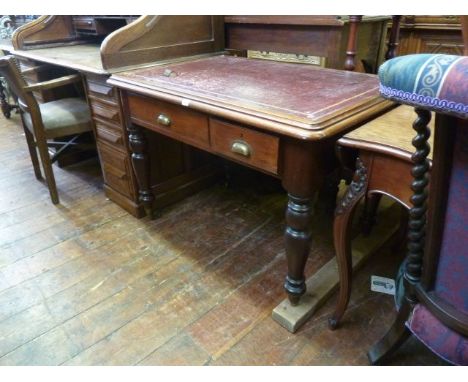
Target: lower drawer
{"x":116,"y":170}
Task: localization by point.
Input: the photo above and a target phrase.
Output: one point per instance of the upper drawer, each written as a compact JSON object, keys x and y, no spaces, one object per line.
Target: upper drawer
{"x":172,"y":120}
{"x":244,"y":145}
{"x":102,"y":91}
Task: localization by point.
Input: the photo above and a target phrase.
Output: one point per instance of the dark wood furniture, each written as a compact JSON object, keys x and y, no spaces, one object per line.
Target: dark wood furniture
{"x":224,"y":105}
{"x":55,"y":119}
{"x":97,"y":46}
{"x":338,"y":42}
{"x":382,"y":150}
{"x":430,"y":34}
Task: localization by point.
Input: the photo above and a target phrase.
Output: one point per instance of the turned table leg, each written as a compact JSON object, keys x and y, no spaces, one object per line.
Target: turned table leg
{"x":140,"y":163}
{"x":297,"y":240}
{"x":304,"y":170}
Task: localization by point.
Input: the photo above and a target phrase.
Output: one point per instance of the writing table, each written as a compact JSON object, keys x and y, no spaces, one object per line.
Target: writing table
{"x":278,"y":118}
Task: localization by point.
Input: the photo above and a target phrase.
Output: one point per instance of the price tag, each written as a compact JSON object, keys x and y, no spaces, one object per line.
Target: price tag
{"x":382,"y":285}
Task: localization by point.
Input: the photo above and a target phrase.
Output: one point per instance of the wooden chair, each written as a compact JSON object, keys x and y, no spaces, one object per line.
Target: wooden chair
{"x":42,"y":122}
{"x":435,"y":303}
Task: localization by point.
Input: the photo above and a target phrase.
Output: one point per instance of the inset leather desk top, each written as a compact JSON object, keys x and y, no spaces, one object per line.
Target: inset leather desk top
{"x":300,"y":100}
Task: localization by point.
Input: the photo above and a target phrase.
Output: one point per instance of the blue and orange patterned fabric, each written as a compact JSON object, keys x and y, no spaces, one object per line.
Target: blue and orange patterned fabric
{"x":437,"y":82}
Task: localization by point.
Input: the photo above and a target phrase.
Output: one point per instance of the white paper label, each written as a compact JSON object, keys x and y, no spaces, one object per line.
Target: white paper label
{"x":185,"y":102}
{"x":382,"y":285}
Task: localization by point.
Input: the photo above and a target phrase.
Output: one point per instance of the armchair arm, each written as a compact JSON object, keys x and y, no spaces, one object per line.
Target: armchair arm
{"x":35,"y":69}
{"x":56,"y":82}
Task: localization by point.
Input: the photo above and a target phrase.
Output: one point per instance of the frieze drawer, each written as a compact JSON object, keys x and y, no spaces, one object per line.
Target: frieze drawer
{"x":172,"y":120}
{"x":245,"y":145}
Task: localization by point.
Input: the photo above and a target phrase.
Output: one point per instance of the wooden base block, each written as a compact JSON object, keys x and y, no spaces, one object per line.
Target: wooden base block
{"x":325,"y":281}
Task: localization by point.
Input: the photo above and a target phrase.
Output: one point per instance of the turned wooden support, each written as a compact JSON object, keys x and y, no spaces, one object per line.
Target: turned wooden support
{"x":417,"y":214}
{"x":305,"y":165}
{"x":393,"y":41}
{"x":298,"y":240}
{"x":140,"y":163}
{"x":351,"y":49}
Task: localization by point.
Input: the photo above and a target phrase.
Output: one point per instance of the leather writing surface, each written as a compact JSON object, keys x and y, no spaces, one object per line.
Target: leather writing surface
{"x":290,"y":91}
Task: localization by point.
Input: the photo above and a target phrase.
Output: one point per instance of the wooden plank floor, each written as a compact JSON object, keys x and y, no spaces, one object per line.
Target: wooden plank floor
{"x":85,"y":283}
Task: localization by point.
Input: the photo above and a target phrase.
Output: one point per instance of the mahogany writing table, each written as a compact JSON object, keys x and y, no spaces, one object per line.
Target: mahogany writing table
{"x":282,"y":119}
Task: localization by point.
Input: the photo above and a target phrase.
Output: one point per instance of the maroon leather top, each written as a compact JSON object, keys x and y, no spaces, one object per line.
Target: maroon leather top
{"x":294,"y":93}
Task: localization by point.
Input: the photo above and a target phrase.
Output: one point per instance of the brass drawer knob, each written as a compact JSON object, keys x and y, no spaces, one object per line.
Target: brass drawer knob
{"x":241,"y":148}
{"x":164,"y":120}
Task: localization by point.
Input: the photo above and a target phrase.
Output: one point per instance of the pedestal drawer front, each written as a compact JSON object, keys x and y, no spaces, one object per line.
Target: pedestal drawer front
{"x":244,"y":145}
{"x":172,"y":120}
{"x":106,"y":112}
{"x":116,"y":170}
{"x":99,"y":90}
{"x":109,"y":134}
{"x":102,"y":91}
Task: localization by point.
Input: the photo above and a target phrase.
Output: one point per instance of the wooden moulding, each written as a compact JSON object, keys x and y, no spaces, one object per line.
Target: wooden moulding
{"x":155,"y":38}
{"x":44,"y":30}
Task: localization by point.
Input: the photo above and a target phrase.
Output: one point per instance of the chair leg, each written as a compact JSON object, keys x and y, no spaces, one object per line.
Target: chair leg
{"x":33,"y":152}
{"x":49,"y":174}
{"x":394,"y":338}
{"x":370,"y":211}
{"x":342,"y":241}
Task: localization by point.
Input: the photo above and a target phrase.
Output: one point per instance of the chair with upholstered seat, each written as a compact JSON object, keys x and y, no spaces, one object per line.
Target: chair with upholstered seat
{"x":47,"y":121}
{"x":434,"y":302}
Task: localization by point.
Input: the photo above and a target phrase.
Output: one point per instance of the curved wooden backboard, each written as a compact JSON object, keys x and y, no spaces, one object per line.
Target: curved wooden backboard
{"x":44,"y":30}
{"x":155,"y":38}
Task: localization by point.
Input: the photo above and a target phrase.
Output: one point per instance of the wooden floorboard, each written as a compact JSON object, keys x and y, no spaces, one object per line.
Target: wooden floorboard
{"x":85,"y":283}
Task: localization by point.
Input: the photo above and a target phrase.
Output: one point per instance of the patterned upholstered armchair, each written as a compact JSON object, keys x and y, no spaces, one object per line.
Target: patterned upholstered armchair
{"x":435,"y":303}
